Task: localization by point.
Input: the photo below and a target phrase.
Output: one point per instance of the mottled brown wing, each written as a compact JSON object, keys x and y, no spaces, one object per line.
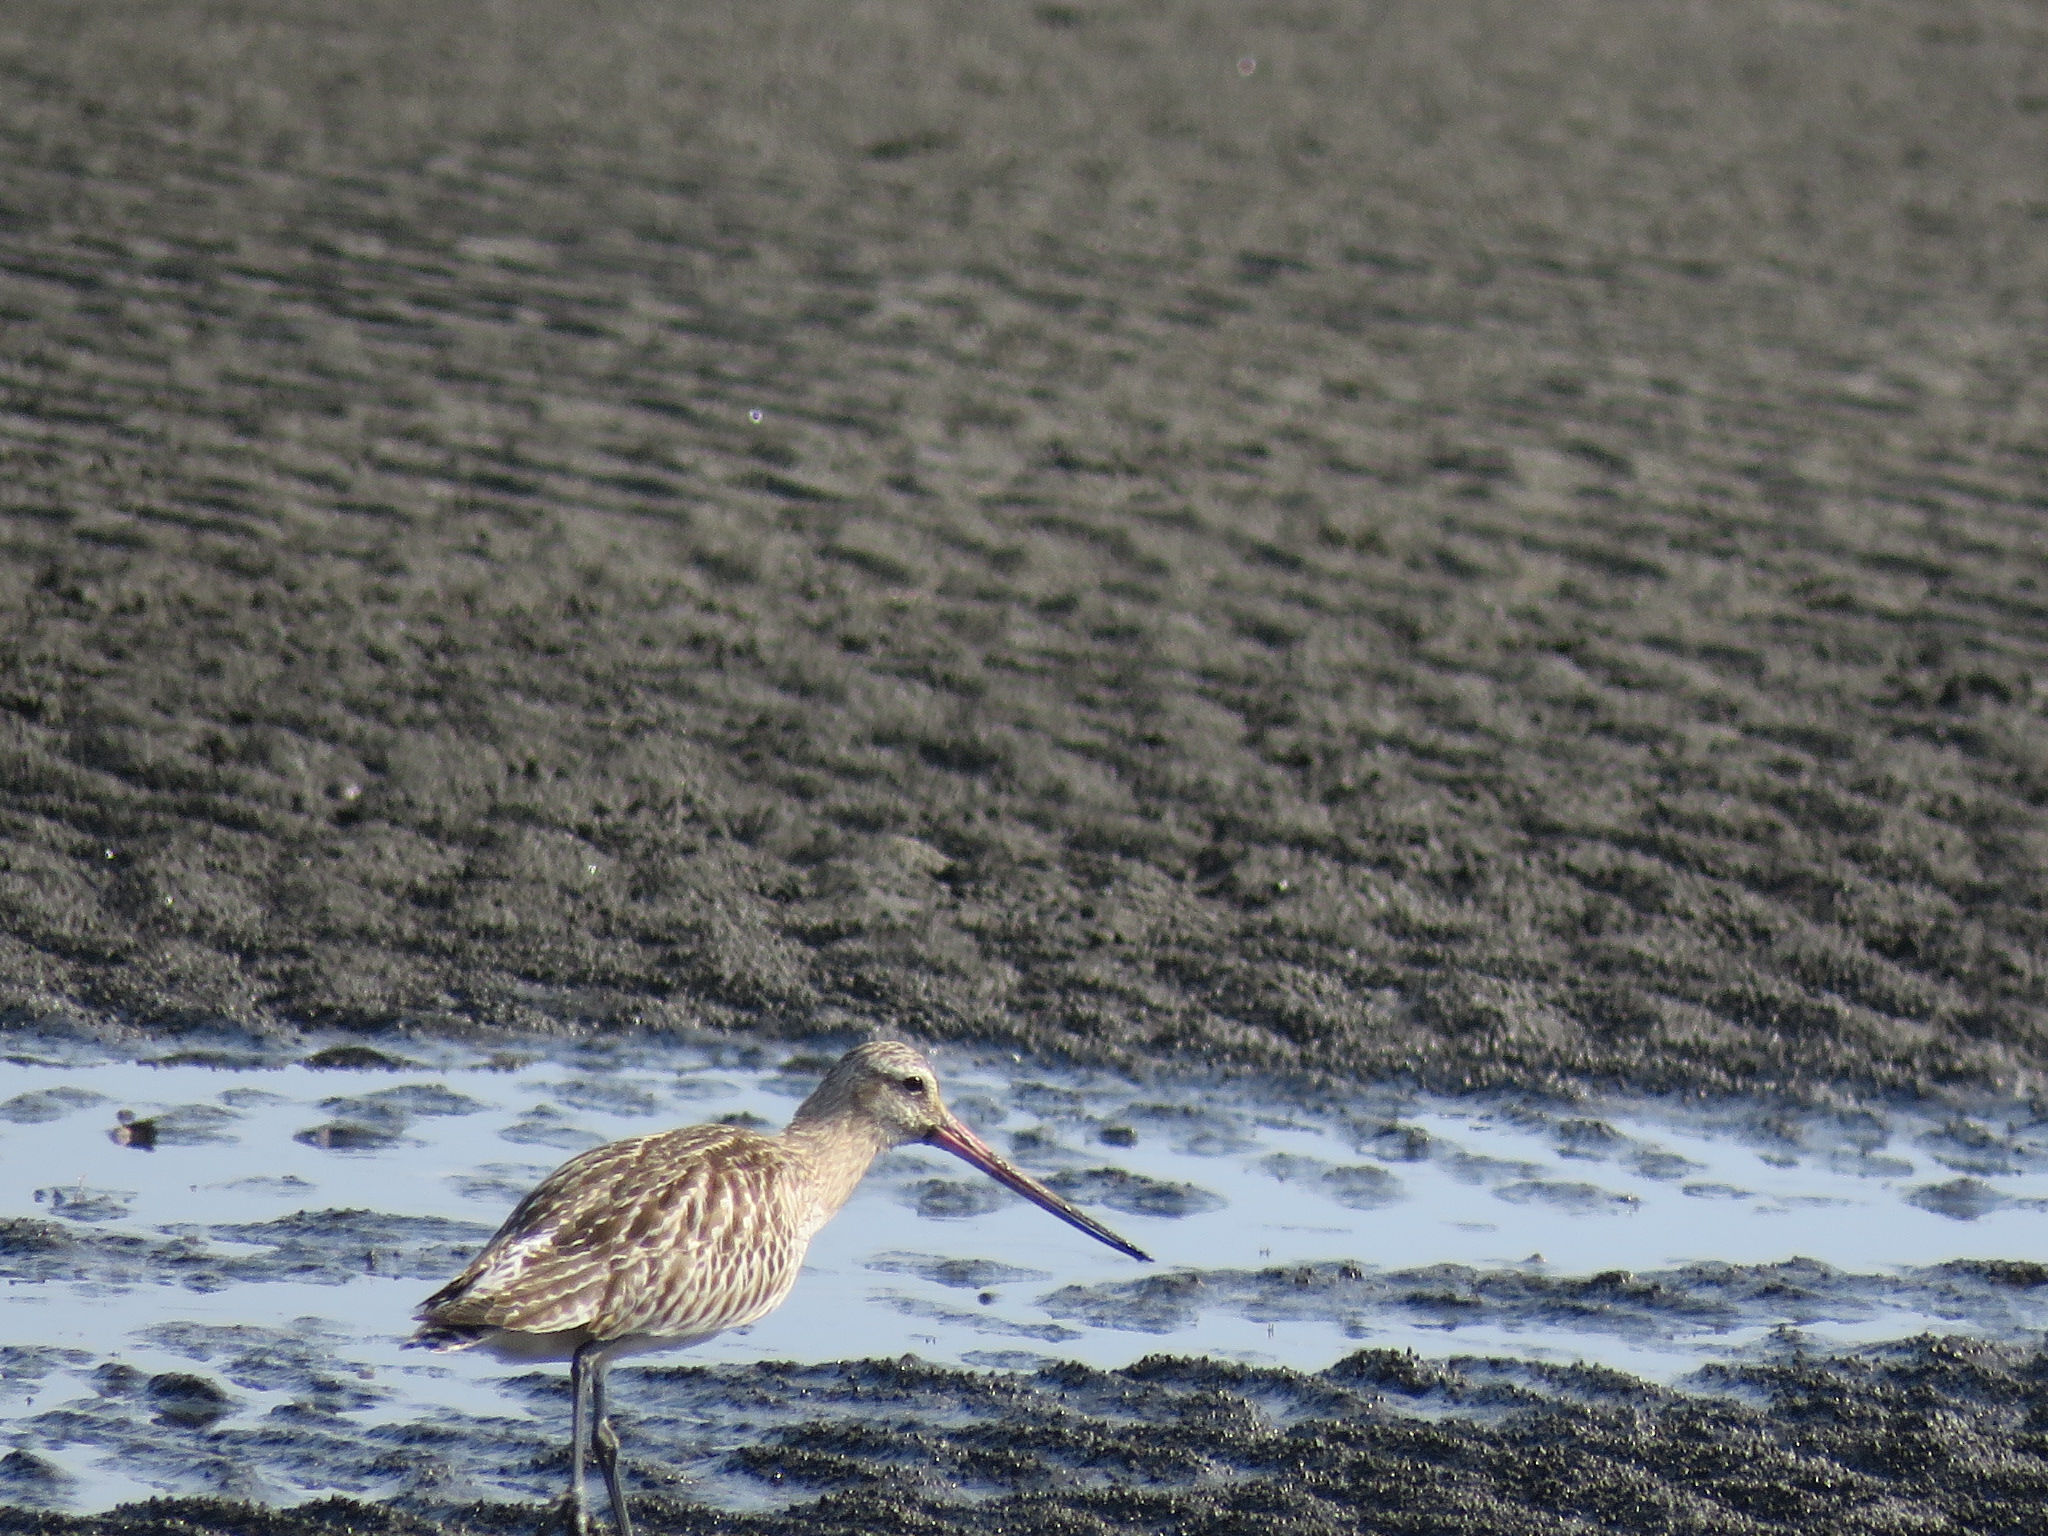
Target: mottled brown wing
{"x":677,"y":1234}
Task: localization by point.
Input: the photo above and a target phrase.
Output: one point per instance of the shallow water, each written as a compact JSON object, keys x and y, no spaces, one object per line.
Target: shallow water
{"x":162,"y":1297}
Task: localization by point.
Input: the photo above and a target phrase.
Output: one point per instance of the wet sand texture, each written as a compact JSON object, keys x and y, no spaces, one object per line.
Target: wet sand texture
{"x":1505,"y":543}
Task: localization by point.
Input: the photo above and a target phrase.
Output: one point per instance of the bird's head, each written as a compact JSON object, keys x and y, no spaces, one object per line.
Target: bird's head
{"x":888,"y":1084}
{"x":891,"y":1087}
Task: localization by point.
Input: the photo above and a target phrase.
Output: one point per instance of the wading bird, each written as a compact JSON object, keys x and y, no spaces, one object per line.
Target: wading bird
{"x":661,"y":1241}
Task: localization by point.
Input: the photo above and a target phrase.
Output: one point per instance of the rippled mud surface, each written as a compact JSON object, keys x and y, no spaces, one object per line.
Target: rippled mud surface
{"x":211,"y":1256}
{"x":1489,"y":543}
{"x":782,"y":515}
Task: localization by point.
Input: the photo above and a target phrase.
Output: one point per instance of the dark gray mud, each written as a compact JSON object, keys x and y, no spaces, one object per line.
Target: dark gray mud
{"x":1925,"y":1435}
{"x":1504,"y":544}
{"x":1501,"y":544}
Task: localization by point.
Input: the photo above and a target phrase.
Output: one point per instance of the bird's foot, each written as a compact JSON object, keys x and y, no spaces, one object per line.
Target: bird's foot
{"x":567,"y":1516}
{"x":606,"y":1450}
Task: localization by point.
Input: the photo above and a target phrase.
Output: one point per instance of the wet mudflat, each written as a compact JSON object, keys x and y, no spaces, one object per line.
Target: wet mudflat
{"x":1486,"y":545}
{"x":213,"y":1271}
{"x":1941,"y":1435}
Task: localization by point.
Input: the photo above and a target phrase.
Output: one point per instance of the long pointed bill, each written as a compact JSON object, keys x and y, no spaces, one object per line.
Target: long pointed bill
{"x":967,"y":1146}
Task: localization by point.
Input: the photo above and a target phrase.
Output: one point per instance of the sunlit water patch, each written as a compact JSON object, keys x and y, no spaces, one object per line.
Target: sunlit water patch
{"x":210,"y":1269}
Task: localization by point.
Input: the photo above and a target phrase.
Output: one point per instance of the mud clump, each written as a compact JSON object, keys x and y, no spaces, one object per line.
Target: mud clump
{"x":47,"y":1104}
{"x":396,"y":1106}
{"x":1132,"y":1193}
{"x":954,"y":1198}
{"x":190,"y":1401}
{"x":349,"y":1136}
{"x":1578,"y":1199}
{"x":1968,"y":1199}
{"x":1359,"y":1186}
{"x":357,"y":1058}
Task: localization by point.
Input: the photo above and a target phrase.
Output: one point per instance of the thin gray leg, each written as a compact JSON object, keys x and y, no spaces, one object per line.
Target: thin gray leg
{"x":605,"y":1447}
{"x":584,"y":1366}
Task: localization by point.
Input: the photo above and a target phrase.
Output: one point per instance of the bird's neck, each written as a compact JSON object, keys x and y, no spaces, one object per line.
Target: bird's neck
{"x":836,"y":1149}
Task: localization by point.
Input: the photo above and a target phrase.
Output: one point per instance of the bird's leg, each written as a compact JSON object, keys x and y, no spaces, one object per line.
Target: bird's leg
{"x":583,"y":1368}
{"x":605,"y":1447}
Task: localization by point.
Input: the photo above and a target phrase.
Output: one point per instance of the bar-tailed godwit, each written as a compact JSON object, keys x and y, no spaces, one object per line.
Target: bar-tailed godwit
{"x":661,"y":1241}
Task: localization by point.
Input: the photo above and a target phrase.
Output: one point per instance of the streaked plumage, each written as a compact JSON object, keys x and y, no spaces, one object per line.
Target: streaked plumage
{"x":679,"y":1235}
{"x":664,"y":1240}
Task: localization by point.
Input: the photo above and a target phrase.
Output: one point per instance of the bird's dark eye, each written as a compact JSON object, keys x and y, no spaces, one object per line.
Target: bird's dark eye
{"x":913,"y":1085}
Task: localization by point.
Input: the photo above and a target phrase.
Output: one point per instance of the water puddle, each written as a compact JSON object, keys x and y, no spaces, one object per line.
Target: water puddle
{"x":210,"y":1269}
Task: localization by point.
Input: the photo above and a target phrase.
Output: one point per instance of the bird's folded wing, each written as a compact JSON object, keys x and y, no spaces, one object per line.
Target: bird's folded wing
{"x":676,"y":1235}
